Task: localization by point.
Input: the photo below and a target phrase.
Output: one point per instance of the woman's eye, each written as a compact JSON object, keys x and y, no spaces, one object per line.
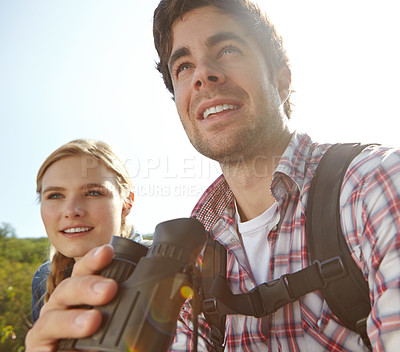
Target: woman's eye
{"x":54,"y":196}
{"x":94,"y":193}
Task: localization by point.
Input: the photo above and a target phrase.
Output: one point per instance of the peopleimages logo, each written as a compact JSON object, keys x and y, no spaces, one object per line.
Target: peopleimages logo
{"x":199,"y":167}
{"x":192,"y":167}
{"x":165,"y":167}
{"x":170,"y":168}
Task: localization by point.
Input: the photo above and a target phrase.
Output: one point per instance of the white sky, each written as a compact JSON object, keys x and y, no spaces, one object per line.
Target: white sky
{"x":85,"y":69}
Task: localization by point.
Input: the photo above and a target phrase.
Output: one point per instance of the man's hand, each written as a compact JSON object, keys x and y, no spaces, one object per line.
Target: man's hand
{"x":57,"y":320}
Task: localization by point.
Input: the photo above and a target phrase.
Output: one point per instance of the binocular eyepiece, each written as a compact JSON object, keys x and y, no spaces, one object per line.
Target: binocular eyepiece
{"x":153,"y":285}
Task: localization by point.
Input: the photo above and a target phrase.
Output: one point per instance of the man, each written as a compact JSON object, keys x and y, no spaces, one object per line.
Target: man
{"x":230,"y":78}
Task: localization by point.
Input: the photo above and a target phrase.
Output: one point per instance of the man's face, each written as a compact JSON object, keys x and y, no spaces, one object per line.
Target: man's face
{"x":227,"y":103}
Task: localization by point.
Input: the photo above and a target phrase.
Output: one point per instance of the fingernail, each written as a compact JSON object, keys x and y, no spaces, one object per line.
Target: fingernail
{"x":100,"y":286}
{"x":99,"y":249}
{"x":82,"y":319}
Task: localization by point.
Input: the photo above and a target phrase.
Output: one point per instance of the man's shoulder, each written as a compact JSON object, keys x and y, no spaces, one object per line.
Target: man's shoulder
{"x":373,"y":160}
{"x":372,"y":182}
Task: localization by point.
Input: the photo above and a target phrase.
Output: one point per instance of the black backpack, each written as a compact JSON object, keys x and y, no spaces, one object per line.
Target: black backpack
{"x":332,"y":271}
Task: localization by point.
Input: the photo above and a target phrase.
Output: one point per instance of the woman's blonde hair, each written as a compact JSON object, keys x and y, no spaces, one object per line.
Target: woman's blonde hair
{"x":61,"y":265}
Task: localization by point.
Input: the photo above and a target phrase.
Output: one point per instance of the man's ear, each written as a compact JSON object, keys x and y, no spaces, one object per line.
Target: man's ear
{"x":283,"y":81}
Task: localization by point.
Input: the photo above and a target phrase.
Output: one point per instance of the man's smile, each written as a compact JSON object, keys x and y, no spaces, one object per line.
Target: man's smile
{"x":218,"y":108}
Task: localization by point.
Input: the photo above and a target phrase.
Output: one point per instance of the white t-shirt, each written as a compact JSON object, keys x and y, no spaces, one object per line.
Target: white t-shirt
{"x":254,"y":235}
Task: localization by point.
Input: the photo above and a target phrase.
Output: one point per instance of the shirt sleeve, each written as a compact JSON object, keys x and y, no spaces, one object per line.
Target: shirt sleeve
{"x":375,"y":224}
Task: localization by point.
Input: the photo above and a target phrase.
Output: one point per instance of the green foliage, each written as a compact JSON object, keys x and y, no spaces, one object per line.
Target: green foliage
{"x":148,"y":236}
{"x":6,"y":231}
{"x":19,"y":259}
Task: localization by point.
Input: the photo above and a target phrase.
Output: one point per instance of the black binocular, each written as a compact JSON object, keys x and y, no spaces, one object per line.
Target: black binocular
{"x":153,"y":285}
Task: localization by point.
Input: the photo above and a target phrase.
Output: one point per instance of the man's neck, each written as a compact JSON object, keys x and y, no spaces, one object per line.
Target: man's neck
{"x":250,"y":179}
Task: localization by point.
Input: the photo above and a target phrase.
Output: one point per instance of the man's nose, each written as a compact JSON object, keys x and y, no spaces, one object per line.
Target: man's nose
{"x":207,"y":74}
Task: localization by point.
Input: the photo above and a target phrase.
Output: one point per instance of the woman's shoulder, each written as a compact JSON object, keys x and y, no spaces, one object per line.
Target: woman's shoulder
{"x":42,"y":273}
{"x":39,"y":282}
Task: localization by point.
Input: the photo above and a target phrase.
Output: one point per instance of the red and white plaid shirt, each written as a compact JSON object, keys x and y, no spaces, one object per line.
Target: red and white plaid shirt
{"x":370,"y":219}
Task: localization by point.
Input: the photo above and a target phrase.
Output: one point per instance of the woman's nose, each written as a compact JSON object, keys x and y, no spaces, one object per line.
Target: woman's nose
{"x":74,"y":209}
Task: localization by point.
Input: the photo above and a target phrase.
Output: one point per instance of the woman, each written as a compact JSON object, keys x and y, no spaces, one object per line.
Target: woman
{"x":85,"y":195}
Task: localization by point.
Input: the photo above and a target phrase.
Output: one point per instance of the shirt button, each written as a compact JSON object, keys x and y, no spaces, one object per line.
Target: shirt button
{"x":275,"y":228}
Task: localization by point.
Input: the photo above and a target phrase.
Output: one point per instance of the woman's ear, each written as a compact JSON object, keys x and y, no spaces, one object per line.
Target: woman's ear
{"x":127,"y":206}
{"x":284,"y":80}
{"x":125,"y":211}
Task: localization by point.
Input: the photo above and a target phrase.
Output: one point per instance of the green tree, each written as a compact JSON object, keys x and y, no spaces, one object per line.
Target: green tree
{"x":19,"y":259}
{"x":7,"y":231}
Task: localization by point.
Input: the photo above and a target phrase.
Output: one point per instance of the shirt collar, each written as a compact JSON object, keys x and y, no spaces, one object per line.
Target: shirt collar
{"x":211,"y":206}
{"x":291,"y":169}
{"x":289,"y":172}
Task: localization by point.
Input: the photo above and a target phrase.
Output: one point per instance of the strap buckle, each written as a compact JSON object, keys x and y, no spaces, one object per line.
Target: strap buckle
{"x":331,"y":269}
{"x":273,"y":295}
{"x":210,"y":306}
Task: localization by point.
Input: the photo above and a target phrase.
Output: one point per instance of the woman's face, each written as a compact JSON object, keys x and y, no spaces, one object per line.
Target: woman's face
{"x":81,"y":207}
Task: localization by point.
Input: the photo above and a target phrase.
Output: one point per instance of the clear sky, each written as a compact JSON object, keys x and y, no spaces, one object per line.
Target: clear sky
{"x":85,"y":69}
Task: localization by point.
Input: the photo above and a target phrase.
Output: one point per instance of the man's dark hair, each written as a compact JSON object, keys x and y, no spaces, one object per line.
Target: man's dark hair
{"x":248,"y":14}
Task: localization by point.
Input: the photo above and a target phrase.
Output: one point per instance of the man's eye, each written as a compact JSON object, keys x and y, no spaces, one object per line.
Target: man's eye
{"x":183,"y":67}
{"x":229,"y":50}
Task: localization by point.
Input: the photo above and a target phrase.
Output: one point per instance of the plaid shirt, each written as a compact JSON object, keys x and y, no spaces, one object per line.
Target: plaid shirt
{"x":370,"y":219}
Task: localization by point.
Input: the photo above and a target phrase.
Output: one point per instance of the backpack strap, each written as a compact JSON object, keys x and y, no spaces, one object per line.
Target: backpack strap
{"x":214,"y":264}
{"x":332,"y":271}
{"x":348,"y":297}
